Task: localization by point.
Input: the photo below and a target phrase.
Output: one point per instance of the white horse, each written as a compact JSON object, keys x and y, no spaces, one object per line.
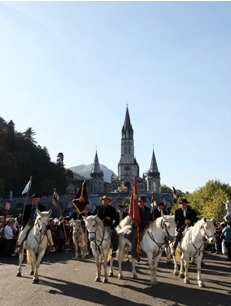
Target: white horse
{"x":100,"y":241}
{"x":124,"y":222}
{"x":78,"y":238}
{"x":36,"y":244}
{"x":193,"y":245}
{"x":152,"y":243}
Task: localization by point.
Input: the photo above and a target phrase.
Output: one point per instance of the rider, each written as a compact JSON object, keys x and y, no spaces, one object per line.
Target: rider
{"x":27,"y":222}
{"x":107,"y":214}
{"x":120,"y":215}
{"x":145,"y":219}
{"x":184,"y":217}
{"x":159,"y":211}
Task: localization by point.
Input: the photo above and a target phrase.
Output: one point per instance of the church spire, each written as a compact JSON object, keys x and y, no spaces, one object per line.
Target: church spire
{"x":95,"y":166}
{"x":127,"y":129}
{"x":153,"y":166}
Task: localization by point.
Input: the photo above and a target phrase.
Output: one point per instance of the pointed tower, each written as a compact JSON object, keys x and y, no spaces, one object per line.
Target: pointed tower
{"x":128,"y":166}
{"x":97,"y":181}
{"x":153,"y":176}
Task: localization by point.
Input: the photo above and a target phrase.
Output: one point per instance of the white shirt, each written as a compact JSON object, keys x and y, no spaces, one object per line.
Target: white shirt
{"x":8,"y":232}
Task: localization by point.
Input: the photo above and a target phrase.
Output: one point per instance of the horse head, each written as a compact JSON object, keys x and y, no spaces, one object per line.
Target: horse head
{"x":77,"y":225}
{"x":42,"y":220}
{"x":168,"y":225}
{"x":207,"y":228}
{"x":92,"y":223}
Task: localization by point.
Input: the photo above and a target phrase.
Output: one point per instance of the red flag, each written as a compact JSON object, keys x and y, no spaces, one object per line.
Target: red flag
{"x":134,"y":211}
{"x":80,"y":200}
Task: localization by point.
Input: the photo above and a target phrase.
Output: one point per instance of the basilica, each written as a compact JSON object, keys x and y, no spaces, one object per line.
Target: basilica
{"x":128,"y":167}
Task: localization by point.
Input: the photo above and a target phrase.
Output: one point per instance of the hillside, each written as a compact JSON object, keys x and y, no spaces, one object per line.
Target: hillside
{"x":85,"y":170}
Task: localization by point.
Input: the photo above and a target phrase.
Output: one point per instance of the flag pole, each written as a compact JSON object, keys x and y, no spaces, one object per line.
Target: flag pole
{"x":56,"y":199}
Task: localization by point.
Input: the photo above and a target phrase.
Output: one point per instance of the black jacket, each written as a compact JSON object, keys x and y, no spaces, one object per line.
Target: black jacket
{"x":145,"y":217}
{"x":157,"y":214}
{"x":180,"y":218}
{"x":28,"y":211}
{"x":117,"y":219}
{"x":109,"y":212}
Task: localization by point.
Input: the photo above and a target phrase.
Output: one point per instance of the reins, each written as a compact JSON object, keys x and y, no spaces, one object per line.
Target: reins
{"x":204,"y":243}
{"x":99,"y":240}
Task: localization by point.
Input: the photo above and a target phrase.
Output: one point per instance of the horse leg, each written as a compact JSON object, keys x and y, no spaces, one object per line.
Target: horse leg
{"x":185,"y":260}
{"x":31,"y":258}
{"x":134,"y":275}
{"x":152,"y":270}
{"x":98,"y":267}
{"x":176,"y":270}
{"x":105,"y":279}
{"x":120,"y":259}
{"x":111,"y":272}
{"x":21,"y":258}
{"x":168,"y":251}
{"x":199,"y":278}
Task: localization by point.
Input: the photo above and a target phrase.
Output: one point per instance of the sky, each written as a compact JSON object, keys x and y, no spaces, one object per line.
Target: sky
{"x":69,"y":70}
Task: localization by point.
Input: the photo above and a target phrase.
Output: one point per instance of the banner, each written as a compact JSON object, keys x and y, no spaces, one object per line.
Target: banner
{"x":80,"y":200}
{"x":134,"y":211}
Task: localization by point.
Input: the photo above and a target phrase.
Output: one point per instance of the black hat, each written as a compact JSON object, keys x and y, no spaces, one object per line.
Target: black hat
{"x":161,"y":203}
{"x":105,"y":197}
{"x":35,"y":195}
{"x":142,"y":199}
{"x":184,"y":201}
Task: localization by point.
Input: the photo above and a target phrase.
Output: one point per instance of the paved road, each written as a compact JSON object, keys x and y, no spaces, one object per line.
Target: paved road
{"x":65,"y":281}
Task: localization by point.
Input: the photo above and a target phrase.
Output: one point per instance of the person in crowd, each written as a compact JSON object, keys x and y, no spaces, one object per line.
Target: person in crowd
{"x":217,"y":235}
{"x":185,"y":216}
{"x":8,"y":231}
{"x":28,"y":219}
{"x":160,"y":211}
{"x":145,"y":219}
{"x":107,"y":214}
{"x":120,"y":215}
{"x":226,"y":233}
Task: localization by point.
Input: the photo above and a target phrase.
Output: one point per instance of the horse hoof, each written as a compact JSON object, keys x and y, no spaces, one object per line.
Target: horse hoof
{"x":97,"y":279}
{"x":182,"y":275}
{"x":19,"y":274}
{"x":111,"y":274}
{"x":35,"y":281}
{"x":31,"y":272}
{"x":120,"y":276}
{"x":201,"y":285}
{"x":154,"y":284}
{"x":105,"y":280}
{"x":176,"y":273}
{"x":135,"y":276}
{"x":186,"y":281}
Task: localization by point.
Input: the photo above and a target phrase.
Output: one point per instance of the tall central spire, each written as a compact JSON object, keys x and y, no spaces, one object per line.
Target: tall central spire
{"x":95,"y":166}
{"x":127,"y":130}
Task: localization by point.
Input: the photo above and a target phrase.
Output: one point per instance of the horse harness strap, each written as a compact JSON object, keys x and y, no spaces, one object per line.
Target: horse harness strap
{"x":157,"y":243}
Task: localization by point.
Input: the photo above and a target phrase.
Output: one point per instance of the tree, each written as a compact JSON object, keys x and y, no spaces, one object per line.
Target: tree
{"x":209,"y":200}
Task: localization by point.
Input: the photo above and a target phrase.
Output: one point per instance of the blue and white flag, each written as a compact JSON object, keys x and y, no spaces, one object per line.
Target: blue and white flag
{"x":27,"y":188}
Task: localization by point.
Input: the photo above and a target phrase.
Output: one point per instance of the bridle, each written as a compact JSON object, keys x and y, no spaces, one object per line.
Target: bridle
{"x":169,"y":237}
{"x":42,"y":236}
{"x":204,"y":243}
{"x":98,"y":242}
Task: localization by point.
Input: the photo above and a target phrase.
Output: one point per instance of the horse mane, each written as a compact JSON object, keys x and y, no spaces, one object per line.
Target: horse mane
{"x":101,"y":225}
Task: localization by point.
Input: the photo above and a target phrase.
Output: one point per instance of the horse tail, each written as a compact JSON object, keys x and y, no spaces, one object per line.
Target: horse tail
{"x":28,"y":258}
{"x":178,"y":255}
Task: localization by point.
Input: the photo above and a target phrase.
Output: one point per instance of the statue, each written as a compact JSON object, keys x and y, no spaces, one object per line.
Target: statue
{"x":227,"y":217}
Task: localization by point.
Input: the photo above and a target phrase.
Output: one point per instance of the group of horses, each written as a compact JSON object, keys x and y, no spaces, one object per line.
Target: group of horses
{"x":159,"y":235}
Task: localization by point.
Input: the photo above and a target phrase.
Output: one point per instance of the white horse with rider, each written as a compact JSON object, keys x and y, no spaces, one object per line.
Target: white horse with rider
{"x":35,"y":244}
{"x":193,"y":245}
{"x":100,"y":242}
{"x":152,"y":243}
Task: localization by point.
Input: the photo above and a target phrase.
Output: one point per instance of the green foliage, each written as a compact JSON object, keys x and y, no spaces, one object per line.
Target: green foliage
{"x":209,"y":200}
{"x":21,"y":157}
